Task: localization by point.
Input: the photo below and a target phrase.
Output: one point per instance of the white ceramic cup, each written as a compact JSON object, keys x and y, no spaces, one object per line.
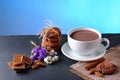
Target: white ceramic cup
{"x":86,"y":47}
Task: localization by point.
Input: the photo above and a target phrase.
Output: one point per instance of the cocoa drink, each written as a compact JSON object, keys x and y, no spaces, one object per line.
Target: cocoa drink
{"x":84,"y":41}
{"x":84,"y":35}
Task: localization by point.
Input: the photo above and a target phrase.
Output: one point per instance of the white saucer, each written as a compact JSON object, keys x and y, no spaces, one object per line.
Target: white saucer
{"x":70,"y":54}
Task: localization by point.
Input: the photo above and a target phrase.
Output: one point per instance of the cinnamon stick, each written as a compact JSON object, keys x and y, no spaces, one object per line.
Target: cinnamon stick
{"x":94,"y":63}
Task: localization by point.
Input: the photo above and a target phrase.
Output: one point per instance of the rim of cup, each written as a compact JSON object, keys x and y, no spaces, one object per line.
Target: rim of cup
{"x":85,"y":28}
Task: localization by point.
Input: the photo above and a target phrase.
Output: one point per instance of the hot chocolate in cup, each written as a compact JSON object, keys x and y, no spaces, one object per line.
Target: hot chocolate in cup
{"x":85,"y":41}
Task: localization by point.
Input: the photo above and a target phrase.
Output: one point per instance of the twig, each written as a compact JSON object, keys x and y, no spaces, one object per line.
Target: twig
{"x":33,"y":43}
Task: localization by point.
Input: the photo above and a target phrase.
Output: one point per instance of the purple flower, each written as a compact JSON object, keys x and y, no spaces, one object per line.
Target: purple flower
{"x":42,"y":54}
{"x":32,"y":57}
{"x":38,"y":53}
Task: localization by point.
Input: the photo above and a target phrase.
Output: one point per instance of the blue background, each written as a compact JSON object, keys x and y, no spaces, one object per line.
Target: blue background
{"x":19,"y":17}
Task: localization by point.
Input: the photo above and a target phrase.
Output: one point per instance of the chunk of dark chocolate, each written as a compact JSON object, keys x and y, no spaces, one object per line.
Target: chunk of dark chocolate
{"x":22,"y":66}
{"x":17,"y":59}
{"x":26,"y":60}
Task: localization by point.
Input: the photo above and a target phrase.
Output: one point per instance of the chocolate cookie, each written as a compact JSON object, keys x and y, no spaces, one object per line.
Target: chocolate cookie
{"x":51,"y":32}
{"x":106,"y":68}
{"x":51,"y":45}
{"x":51,"y":38}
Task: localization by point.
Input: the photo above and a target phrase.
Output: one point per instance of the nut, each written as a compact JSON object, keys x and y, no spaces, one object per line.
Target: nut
{"x":92,"y":71}
{"x":39,"y":63}
{"x":99,"y":74}
{"x":34,"y":66}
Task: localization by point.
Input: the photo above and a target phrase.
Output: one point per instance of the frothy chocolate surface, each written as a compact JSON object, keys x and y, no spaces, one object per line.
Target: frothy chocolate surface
{"x":84,"y":35}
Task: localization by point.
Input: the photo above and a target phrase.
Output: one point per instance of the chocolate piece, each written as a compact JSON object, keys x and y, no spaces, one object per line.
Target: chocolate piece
{"x":26,"y":60}
{"x":17,"y":59}
{"x":22,"y":66}
{"x":16,"y":70}
{"x":28,"y":66}
{"x":11,"y":64}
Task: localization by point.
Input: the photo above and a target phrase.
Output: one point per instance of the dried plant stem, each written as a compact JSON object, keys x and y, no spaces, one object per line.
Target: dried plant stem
{"x":33,"y":43}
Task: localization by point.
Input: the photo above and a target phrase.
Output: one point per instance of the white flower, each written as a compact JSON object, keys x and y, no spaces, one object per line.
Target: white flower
{"x":48,"y":60}
{"x":53,"y":59}
{"x":56,"y":58}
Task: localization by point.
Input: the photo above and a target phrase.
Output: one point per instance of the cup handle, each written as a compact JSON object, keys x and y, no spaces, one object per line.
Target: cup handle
{"x":107,"y":41}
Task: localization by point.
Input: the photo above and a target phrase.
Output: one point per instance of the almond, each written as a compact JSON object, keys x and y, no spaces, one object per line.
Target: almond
{"x":92,"y":71}
{"x":99,"y":74}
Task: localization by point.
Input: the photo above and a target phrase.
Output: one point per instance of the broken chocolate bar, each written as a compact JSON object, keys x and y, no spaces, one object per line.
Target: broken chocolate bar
{"x":17,"y":59}
{"x":21,"y":63}
{"x":22,"y":66}
{"x":18,"y":70}
{"x":26,"y":60}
